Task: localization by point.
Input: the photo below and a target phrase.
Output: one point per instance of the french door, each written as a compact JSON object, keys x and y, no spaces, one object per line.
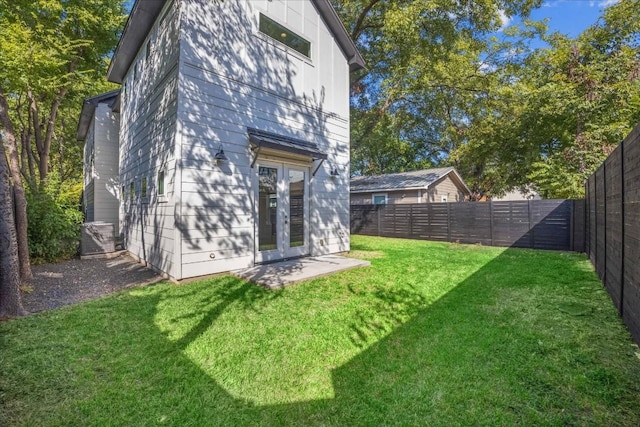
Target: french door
{"x":282,"y":210}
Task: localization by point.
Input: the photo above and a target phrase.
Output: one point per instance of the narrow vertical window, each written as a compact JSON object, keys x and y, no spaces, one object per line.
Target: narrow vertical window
{"x":161,"y":183}
{"x":143,"y":188}
{"x":132,"y":191}
{"x":147,"y":50}
{"x":123,"y":195}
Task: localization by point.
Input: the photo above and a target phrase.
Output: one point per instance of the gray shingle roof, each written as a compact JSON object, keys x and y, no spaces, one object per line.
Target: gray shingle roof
{"x":401,"y":180}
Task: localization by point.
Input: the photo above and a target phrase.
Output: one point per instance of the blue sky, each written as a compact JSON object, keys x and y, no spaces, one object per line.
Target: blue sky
{"x":571,"y":17}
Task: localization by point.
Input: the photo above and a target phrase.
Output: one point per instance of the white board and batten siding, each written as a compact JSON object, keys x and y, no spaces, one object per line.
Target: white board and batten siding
{"x":101,"y":167}
{"x":147,"y":145}
{"x":232,"y":77}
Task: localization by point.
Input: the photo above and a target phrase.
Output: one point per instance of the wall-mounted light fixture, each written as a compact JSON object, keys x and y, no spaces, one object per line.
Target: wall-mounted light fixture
{"x":334,"y":172}
{"x":220,"y":157}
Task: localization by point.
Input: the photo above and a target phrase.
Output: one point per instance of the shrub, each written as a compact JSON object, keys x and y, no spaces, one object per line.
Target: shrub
{"x":54,"y":225}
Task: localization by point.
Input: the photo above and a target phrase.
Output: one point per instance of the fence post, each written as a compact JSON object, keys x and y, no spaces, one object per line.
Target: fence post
{"x":571,"y":225}
{"x":448,"y":222}
{"x":604,"y":178}
{"x":531,"y":237}
{"x":622,"y":231}
{"x":595,"y":222}
{"x":410,"y":221}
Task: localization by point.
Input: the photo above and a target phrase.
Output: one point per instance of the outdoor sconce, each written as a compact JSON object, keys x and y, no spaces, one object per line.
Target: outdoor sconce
{"x":220,"y":157}
{"x":334,"y":172}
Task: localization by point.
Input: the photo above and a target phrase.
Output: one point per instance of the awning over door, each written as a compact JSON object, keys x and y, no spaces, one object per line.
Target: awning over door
{"x":261,"y":139}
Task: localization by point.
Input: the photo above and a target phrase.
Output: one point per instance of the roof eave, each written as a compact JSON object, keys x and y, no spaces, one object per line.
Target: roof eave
{"x":457,"y":177}
{"x":89,"y":108}
{"x":141,"y":19}
{"x":384,"y":190}
{"x":348,"y":46}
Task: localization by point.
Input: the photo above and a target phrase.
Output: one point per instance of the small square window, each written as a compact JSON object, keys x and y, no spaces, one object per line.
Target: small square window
{"x":379,"y":199}
{"x":161,"y":183}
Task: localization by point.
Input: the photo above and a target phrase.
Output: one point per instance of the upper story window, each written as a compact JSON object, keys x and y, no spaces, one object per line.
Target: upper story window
{"x":285,"y":36}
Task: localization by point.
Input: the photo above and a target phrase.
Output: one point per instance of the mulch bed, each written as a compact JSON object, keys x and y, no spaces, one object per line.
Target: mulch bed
{"x":76,"y":280}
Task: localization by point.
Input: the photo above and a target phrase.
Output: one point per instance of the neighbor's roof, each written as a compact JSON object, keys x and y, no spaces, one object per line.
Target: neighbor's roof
{"x":89,"y":107}
{"x":145,"y":12}
{"x":404,"y":180}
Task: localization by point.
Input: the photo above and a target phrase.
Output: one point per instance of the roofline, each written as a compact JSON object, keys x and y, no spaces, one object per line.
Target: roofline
{"x":435,"y":181}
{"x":140,"y":21}
{"x":386,"y":190}
{"x":346,"y":43}
{"x":458,"y":177}
{"x":144,"y":14}
{"x":88,"y":109}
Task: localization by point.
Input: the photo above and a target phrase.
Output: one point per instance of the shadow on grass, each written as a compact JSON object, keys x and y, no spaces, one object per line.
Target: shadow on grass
{"x":497,"y":349}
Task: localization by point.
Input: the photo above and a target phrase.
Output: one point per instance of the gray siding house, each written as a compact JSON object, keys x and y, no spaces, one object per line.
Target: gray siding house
{"x":98,"y":128}
{"x":439,"y":185}
{"x":234,"y":132}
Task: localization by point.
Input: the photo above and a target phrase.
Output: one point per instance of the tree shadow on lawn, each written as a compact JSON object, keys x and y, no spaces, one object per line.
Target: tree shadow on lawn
{"x":498,"y":348}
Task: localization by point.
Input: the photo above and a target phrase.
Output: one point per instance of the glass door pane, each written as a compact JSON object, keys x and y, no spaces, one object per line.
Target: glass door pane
{"x":296,"y":208}
{"x":267,"y":208}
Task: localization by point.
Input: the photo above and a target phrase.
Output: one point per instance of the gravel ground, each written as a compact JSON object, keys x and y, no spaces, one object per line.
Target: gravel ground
{"x":76,"y":280}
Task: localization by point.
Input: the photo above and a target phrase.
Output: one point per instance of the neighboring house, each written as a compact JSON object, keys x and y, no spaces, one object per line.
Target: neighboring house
{"x":528,"y":193}
{"x":234,"y":132}
{"x":98,"y":128}
{"x":441,"y":185}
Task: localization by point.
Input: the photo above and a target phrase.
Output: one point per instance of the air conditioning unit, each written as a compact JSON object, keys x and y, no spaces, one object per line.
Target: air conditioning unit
{"x":97,"y":238}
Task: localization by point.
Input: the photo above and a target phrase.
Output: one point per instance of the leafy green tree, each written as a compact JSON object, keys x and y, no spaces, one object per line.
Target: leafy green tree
{"x":562,"y":112}
{"x":52,"y":55}
{"x":429,"y":65}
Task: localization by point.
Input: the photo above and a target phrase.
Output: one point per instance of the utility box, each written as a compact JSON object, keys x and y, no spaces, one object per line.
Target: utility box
{"x":97,"y":238}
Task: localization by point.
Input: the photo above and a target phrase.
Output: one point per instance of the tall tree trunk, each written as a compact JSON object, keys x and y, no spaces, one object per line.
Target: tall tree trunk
{"x":10,"y":300}
{"x":9,"y":141}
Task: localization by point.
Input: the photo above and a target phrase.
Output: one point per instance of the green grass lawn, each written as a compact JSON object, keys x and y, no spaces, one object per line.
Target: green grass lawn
{"x":430,"y":334}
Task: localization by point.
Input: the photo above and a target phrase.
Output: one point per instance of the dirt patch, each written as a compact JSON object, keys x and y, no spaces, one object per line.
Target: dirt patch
{"x":76,"y":280}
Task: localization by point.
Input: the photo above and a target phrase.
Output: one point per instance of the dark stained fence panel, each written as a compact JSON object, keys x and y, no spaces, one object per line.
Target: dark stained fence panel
{"x":551,"y":224}
{"x":631,"y":189}
{"x":613,"y":228}
{"x":511,"y":224}
{"x":600,"y":222}
{"x":470,"y":223}
{"x":540,"y":224}
{"x":578,"y":226}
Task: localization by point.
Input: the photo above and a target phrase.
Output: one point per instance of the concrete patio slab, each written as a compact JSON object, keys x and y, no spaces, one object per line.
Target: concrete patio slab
{"x":280,"y":274}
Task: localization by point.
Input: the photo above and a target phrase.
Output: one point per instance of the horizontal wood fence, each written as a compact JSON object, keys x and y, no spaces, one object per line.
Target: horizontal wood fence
{"x":538,"y":224}
{"x":613,"y":228}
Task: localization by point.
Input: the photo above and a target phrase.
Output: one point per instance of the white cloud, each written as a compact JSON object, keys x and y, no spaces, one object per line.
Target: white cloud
{"x":505,"y":20}
{"x":607,"y":3}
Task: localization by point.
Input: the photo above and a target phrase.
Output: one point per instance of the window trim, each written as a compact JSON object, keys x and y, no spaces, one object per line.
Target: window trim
{"x":385,"y":195}
{"x":161,"y":196}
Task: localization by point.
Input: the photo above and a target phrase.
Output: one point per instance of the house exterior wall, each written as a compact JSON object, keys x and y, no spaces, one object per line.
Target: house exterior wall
{"x":88,"y":200}
{"x":393,"y":197}
{"x":232,"y":77}
{"x":105,"y":127}
{"x":148,"y":145}
{"x":444,"y":187}
{"x":100,"y":197}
